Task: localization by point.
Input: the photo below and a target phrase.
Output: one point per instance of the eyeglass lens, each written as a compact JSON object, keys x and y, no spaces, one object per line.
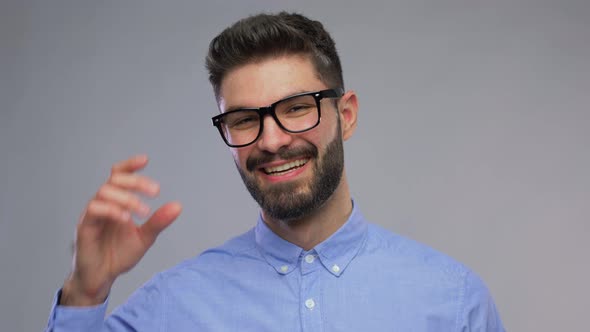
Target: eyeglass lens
{"x":294,"y":114}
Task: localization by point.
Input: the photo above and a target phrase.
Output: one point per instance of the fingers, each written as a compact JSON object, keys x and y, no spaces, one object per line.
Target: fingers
{"x":135,"y":182}
{"x":123,"y":199}
{"x":122,"y":185}
{"x":132,"y":164}
{"x":117,"y":198}
{"x":103,"y":210}
{"x":161,"y":219}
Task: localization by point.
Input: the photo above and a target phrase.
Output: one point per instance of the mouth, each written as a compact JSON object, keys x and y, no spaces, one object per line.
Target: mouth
{"x":285,"y":168}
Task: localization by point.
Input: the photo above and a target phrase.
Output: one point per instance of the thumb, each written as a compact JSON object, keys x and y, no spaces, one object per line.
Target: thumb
{"x":162,"y":218}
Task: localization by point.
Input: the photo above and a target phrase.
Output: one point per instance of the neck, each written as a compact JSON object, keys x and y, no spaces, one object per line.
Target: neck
{"x":318,"y":226}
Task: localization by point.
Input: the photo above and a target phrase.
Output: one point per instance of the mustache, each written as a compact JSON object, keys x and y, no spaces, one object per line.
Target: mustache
{"x":284,"y":153}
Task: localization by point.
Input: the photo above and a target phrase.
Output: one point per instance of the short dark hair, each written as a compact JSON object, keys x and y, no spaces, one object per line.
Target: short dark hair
{"x":263,"y":36}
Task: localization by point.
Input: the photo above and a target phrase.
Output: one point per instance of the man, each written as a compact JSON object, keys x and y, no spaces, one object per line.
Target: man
{"x":312,"y":262}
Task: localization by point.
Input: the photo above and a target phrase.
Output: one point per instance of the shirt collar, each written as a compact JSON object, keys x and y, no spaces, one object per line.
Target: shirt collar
{"x":335,"y":253}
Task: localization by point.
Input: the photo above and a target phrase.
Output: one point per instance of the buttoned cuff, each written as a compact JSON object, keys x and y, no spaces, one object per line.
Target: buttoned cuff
{"x":66,"y":318}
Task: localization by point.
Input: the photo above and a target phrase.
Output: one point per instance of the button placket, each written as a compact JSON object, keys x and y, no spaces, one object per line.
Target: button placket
{"x":310,"y":300}
{"x":309,"y":262}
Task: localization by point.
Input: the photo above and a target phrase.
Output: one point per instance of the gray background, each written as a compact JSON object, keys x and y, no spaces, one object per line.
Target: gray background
{"x":473,"y":137}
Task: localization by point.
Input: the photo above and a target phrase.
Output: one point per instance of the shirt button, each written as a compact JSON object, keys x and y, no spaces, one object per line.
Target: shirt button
{"x":309,"y":303}
{"x":309,"y":259}
{"x":284,"y":268}
{"x":336,"y":268}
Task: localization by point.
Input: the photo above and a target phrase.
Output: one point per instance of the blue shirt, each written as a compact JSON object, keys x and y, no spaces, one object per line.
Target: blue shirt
{"x":362,"y":278}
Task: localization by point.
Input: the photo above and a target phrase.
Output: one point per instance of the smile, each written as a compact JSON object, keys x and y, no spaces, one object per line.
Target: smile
{"x":284,"y":168}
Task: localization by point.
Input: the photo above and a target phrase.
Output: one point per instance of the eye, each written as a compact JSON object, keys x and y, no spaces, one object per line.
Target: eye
{"x":241,"y":121}
{"x":298,"y":108}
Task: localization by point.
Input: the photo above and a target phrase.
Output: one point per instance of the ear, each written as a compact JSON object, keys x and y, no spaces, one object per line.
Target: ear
{"x":348,"y":108}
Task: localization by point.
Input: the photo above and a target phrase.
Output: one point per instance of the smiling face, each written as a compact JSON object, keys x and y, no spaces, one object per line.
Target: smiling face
{"x":289,"y":175}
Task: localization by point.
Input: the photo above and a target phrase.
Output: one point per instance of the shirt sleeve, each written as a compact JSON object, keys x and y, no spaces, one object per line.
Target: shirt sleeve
{"x":143,"y":311}
{"x":65,"y":318}
{"x":478,"y":311}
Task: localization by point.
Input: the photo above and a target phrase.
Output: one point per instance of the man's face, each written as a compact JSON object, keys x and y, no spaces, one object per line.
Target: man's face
{"x":289,"y":175}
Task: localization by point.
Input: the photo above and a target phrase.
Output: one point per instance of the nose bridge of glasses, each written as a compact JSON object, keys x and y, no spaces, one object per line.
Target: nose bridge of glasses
{"x":268,"y":119}
{"x":272,"y":135}
{"x":266,"y":113}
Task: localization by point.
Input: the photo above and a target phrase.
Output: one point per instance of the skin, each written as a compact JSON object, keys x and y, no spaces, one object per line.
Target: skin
{"x":109,"y":243}
{"x":262,"y":83}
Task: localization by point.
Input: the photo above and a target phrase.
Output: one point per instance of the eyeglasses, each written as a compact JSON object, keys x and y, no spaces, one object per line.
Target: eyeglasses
{"x":294,"y":114}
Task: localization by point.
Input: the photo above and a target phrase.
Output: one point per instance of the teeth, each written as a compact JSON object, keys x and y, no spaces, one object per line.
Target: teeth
{"x":286,"y":166}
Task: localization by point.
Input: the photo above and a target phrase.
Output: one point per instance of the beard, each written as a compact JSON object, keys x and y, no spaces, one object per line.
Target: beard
{"x":295,"y":200}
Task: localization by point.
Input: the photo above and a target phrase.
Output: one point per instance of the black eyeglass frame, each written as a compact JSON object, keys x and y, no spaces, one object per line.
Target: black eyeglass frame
{"x":270,"y":110}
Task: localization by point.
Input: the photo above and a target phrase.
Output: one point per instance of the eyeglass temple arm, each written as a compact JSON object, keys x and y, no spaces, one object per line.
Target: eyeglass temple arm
{"x":333,"y":93}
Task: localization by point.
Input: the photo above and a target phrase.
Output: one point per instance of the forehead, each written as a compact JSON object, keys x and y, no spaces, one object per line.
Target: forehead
{"x":263,"y":82}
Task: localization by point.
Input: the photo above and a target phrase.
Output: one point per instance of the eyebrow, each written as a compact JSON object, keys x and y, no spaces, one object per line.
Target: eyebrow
{"x":234,"y":108}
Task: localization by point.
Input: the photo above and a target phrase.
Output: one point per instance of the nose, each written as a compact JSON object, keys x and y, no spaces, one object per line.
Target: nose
{"x":273,"y":137}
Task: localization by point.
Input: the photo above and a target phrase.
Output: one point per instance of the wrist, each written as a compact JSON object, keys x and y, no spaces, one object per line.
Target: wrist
{"x":75,"y":296}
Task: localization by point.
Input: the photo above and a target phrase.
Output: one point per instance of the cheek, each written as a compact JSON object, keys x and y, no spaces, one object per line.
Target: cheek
{"x":316,"y":139}
{"x":325,"y":133}
{"x":239,"y":157}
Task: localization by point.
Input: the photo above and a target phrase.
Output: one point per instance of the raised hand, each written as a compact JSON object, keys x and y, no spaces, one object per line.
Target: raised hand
{"x":108,"y":242}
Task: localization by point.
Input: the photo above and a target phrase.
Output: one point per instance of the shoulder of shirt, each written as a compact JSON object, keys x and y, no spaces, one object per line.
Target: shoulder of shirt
{"x":419,"y":261}
{"x":387,"y":246}
{"x":242,"y":245}
{"x":414,"y":254}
